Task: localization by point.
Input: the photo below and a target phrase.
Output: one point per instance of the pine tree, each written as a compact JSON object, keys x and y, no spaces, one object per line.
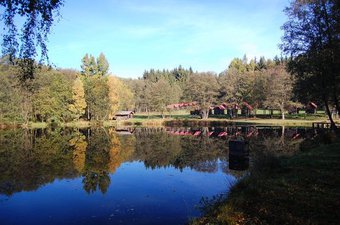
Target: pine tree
{"x":102,"y":65}
{"x":89,"y":65}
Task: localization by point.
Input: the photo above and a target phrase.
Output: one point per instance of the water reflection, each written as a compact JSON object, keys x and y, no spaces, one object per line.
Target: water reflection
{"x":31,"y":158}
{"x":125,"y":175}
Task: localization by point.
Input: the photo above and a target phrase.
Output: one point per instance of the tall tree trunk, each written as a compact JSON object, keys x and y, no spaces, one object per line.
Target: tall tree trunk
{"x":333,"y":126}
{"x":204,"y":113}
{"x":336,"y":101}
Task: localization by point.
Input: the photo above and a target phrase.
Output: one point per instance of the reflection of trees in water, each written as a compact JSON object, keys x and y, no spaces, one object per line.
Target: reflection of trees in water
{"x":96,"y":179}
{"x":31,"y":158}
{"x":98,"y":160}
{"x":121,"y":149}
{"x":202,"y":153}
{"x":105,"y":153}
{"x":159,"y":149}
{"x":79,"y":145}
{"x":206,"y":166}
{"x":27,"y":166}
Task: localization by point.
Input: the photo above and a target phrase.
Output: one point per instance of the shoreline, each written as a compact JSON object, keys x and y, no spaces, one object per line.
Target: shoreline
{"x":297,"y":189}
{"x":156,"y":122}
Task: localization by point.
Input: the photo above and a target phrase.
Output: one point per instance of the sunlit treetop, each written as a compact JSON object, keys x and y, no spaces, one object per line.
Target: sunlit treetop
{"x":24,"y":41}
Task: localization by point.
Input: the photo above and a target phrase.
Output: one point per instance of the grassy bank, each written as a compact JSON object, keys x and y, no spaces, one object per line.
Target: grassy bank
{"x":180,"y":118}
{"x":300,"y":189}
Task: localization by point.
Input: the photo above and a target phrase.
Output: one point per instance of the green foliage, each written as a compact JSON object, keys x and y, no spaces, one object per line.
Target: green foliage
{"x":60,"y":94}
{"x":102,"y":65}
{"x":236,"y":86}
{"x":161,"y":94}
{"x":202,"y":88}
{"x":37,"y":17}
{"x":97,"y":97}
{"x":52,"y":96}
{"x":89,"y":65}
{"x":312,"y":39}
{"x":104,"y":95}
{"x":178,"y":75}
{"x":10,"y":96}
{"x":78,"y":103}
{"x":280,"y":91}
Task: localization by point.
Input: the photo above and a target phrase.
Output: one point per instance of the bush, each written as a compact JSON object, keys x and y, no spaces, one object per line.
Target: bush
{"x":54,"y":122}
{"x":322,"y":138}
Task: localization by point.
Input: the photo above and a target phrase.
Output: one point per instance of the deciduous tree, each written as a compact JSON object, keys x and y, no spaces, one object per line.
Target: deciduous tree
{"x":38,"y":17}
{"x":280,"y":91}
{"x":78,"y":104}
{"x":312,"y":40}
{"x":203,"y":88}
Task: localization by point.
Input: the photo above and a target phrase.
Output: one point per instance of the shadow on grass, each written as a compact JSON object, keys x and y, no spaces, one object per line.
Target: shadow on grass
{"x":298,"y":189}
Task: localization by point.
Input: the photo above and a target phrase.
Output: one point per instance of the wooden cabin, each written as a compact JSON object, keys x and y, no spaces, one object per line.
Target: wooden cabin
{"x":246,"y":109}
{"x":311,"y":108}
{"x":220,"y":110}
{"x":124,"y":115}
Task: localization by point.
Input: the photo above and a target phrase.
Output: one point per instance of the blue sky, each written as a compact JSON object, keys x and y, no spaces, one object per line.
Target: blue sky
{"x":136,"y":35}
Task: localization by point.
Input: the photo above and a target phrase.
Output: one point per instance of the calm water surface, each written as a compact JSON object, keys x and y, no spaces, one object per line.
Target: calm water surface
{"x":122,"y":176}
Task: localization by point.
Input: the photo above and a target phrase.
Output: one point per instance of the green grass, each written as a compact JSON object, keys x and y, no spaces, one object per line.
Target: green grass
{"x":301,"y":189}
{"x":37,"y":125}
{"x":183,"y":118}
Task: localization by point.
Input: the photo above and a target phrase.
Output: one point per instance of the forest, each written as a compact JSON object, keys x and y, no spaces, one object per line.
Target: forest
{"x":64,"y":95}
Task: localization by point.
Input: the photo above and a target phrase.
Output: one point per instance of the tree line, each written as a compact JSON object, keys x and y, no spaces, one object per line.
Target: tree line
{"x":94,"y":94}
{"x":62,"y":95}
{"x":261,"y":83}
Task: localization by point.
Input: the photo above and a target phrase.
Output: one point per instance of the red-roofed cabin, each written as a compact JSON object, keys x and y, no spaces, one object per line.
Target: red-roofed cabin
{"x":219,"y":110}
{"x":246,"y":109}
{"x":311,"y":108}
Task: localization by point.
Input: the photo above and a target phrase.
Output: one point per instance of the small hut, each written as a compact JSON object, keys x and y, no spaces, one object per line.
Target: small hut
{"x":219,"y":110}
{"x":246,"y":109}
{"x":124,"y":115}
{"x":311,"y":108}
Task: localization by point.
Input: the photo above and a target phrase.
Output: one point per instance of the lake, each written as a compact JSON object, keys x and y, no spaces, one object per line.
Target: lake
{"x":120,"y":176}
